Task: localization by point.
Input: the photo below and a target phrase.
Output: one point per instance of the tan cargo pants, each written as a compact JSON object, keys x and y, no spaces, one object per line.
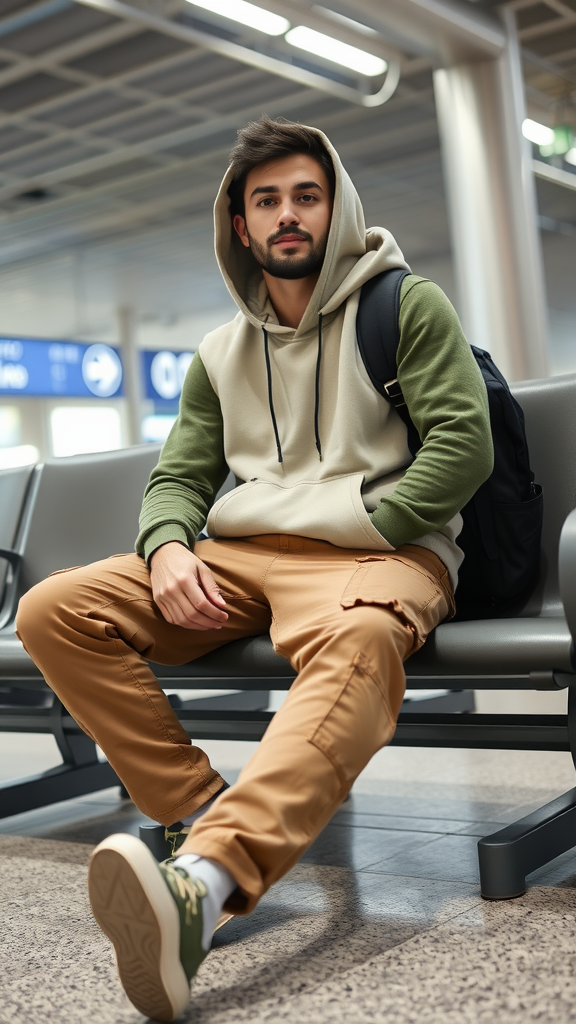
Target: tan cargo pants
{"x":345,"y":619}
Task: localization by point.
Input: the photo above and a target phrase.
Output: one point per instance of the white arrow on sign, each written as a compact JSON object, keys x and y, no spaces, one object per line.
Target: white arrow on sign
{"x":101,"y":370}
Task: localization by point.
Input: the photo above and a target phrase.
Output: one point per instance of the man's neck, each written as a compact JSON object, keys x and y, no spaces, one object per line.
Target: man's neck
{"x":290,"y":298}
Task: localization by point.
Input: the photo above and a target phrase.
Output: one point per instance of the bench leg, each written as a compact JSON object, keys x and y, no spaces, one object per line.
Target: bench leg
{"x":507,"y":856}
{"x":80,"y":773}
{"x":153,"y":837}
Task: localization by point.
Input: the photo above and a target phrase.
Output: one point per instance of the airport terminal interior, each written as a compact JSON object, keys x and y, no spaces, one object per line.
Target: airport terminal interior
{"x":456,"y":120}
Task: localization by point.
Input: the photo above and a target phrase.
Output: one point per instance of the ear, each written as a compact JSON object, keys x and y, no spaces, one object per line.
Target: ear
{"x":239,"y":225}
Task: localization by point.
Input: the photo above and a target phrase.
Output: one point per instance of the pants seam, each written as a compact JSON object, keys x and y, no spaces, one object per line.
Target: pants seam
{"x":157,"y":715}
{"x":267,"y":570}
{"x":364,"y":668}
{"x":359,"y":664}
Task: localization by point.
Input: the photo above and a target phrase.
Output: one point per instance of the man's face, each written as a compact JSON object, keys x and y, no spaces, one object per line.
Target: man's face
{"x":288,"y":206}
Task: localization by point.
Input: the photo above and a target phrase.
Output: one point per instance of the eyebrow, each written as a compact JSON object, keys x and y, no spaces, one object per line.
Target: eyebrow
{"x":271,"y":189}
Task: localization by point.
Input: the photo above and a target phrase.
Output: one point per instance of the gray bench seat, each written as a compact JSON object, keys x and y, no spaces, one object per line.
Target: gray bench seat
{"x":498,"y":648}
{"x":504,"y":647}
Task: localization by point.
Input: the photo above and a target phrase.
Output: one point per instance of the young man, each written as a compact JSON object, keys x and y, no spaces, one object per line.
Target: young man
{"x":337,"y":542}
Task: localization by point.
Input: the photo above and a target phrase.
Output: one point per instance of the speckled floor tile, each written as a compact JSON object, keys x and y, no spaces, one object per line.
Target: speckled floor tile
{"x":449,"y":857}
{"x":490,"y":964}
{"x":76,"y":821}
{"x":503,"y":963}
{"x":381,"y":922}
{"x":356,"y":847}
{"x":315,"y":924}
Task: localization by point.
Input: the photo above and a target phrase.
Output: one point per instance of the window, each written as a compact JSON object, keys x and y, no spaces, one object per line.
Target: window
{"x":80,"y":429}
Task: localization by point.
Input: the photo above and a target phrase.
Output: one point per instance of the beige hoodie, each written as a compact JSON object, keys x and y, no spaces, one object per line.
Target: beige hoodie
{"x":364,"y":491}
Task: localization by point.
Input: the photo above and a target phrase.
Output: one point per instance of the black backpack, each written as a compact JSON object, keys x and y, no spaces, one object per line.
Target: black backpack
{"x":503,"y":520}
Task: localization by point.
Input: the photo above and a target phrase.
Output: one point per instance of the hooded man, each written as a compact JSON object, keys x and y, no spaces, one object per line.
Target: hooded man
{"x":338,"y":542}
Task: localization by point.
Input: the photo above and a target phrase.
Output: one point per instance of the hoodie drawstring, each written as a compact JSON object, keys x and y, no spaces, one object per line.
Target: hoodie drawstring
{"x":270,"y":398}
{"x":316,"y":393}
{"x":317,"y":390}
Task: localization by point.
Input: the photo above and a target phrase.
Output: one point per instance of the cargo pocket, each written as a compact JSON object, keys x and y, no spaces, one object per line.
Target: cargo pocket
{"x":415,"y":594}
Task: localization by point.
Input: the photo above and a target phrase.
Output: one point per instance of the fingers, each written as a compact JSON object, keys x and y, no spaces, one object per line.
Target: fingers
{"x":185,"y":590}
{"x":210,"y":586}
{"x":187,"y":605}
{"x":180,"y":613}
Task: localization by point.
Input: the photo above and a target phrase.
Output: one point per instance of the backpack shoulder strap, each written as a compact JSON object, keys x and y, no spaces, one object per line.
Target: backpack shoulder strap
{"x":378,"y":332}
{"x":378,"y":335}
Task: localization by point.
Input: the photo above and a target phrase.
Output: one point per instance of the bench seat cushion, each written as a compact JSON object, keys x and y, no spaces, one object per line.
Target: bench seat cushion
{"x":494,"y":647}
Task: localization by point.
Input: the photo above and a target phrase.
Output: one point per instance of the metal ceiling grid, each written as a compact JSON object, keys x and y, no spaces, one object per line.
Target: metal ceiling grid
{"x":108,"y":127}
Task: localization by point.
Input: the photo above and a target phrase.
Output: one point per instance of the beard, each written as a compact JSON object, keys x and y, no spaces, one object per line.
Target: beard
{"x":289,"y":267}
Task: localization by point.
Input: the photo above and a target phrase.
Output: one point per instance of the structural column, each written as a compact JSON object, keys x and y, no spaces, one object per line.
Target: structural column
{"x":492,"y":209}
{"x":132,"y":371}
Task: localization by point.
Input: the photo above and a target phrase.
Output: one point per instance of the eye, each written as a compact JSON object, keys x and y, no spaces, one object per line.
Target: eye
{"x":266,"y":201}
{"x":308,"y":198}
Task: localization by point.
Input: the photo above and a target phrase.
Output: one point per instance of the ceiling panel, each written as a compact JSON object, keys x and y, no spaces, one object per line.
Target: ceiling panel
{"x":11,"y":6}
{"x":555,"y":43}
{"x":146,"y":125}
{"x":111,"y":174}
{"x":143,"y":48}
{"x":89,"y":110}
{"x":33,"y":89}
{"x":207,"y":69}
{"x":43,"y":35}
{"x":46,"y":159}
{"x":12,"y":137}
{"x":257,"y":86}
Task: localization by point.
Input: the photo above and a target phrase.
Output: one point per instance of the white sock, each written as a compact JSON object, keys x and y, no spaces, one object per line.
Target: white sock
{"x":219,"y":885}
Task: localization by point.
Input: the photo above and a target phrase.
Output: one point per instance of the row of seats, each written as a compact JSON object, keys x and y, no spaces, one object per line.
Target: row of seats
{"x":76,"y":510}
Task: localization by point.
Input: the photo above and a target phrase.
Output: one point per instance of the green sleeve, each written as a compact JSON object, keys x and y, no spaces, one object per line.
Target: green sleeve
{"x":190,"y":472}
{"x":446,"y":397}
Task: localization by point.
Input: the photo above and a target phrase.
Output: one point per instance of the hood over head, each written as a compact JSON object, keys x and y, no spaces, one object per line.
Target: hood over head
{"x":353,"y":256}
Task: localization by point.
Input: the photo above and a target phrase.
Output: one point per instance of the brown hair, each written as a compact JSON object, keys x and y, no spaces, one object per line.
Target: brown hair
{"x":268,"y":139}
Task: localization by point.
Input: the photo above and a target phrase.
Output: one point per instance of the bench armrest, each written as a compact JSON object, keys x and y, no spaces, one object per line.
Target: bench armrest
{"x":567,"y":571}
{"x":13,"y":557}
{"x":8,"y":600}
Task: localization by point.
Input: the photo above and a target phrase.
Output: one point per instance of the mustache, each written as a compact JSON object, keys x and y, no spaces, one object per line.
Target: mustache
{"x":298,"y":232}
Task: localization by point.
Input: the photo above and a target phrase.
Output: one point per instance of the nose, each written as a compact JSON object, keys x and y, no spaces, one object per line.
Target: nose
{"x":287,"y":214}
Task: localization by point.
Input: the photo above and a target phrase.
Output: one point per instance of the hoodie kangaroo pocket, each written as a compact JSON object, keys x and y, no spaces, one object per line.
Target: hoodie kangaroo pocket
{"x":328,"y":509}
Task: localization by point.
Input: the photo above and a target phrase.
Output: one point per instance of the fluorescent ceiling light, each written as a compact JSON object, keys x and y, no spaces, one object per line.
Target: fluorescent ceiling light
{"x":537,"y":133}
{"x":332,"y":49}
{"x":246,"y":14}
{"x":570,"y":156}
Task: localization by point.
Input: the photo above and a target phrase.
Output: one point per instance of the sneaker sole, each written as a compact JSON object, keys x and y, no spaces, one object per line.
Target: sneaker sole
{"x":134,"y":908}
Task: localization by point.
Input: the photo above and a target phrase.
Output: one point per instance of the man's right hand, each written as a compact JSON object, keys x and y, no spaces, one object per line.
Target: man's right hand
{"x":185,"y":590}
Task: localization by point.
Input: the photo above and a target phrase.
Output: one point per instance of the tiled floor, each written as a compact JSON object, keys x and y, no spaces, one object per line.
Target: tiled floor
{"x":380,"y":922}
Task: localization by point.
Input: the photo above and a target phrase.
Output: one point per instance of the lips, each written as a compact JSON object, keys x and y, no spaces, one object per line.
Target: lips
{"x":289,"y":240}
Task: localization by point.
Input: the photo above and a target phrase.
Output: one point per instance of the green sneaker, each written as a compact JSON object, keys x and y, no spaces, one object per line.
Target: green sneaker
{"x":152,"y":914}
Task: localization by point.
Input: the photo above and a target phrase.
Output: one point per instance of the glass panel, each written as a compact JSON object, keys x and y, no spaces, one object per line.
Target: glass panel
{"x":10,"y":426}
{"x":19,"y":455}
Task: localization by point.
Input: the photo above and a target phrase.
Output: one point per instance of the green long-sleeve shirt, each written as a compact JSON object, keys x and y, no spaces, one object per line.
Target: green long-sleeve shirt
{"x":447,"y":401}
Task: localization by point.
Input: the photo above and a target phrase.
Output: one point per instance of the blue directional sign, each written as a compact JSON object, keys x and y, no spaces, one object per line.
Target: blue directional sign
{"x":164,"y":374}
{"x":65,"y":369}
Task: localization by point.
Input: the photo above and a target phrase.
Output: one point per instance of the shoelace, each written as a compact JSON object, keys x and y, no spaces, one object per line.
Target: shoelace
{"x":190,"y":890}
{"x":172,"y":837}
